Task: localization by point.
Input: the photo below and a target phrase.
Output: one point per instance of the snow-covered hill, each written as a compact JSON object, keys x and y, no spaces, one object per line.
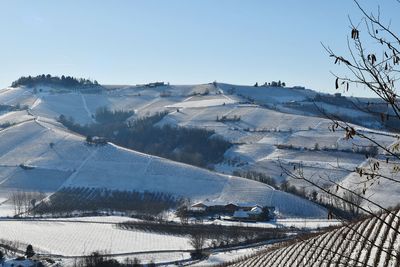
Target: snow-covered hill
{"x":58,"y":158}
{"x":275,"y":126}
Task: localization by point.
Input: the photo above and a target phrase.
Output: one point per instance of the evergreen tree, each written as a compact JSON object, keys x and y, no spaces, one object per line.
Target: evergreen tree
{"x":29,"y":253}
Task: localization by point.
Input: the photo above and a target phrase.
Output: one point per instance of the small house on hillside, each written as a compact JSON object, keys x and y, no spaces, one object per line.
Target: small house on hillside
{"x":26,"y":167}
{"x":96,"y":140}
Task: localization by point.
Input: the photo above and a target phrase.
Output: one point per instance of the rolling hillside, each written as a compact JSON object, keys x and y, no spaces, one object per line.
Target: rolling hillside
{"x":268,"y":127}
{"x":56,"y":158}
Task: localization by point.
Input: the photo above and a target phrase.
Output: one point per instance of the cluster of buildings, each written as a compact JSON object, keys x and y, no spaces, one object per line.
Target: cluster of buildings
{"x":155,"y":84}
{"x":232,"y":211}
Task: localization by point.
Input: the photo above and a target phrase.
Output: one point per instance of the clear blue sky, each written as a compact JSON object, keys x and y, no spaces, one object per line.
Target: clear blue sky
{"x":183,"y":42}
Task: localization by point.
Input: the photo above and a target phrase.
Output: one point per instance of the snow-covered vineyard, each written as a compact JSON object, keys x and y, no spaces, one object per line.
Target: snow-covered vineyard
{"x":74,"y":238}
{"x":371,"y":242}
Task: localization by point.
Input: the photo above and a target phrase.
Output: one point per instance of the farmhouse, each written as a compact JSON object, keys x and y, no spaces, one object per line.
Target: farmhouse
{"x":96,"y":140}
{"x":256,"y":213}
{"x":251,"y":211}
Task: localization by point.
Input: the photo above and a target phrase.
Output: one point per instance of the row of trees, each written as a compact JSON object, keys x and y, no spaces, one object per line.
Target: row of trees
{"x":25,"y":202}
{"x":368,"y":150}
{"x":225,"y":118}
{"x":80,"y":199}
{"x":272,"y":84}
{"x":256,"y":176}
{"x":217,"y":235}
{"x":63,"y":81}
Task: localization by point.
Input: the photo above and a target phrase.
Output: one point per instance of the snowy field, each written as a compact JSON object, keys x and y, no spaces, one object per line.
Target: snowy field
{"x":69,"y":237}
{"x":77,"y":238}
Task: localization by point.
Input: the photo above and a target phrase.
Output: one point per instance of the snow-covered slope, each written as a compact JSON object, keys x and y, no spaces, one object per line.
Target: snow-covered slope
{"x":273,"y":126}
{"x":58,"y":158}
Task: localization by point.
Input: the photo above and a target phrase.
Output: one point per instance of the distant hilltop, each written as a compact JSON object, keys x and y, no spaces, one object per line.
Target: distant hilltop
{"x":63,"y":81}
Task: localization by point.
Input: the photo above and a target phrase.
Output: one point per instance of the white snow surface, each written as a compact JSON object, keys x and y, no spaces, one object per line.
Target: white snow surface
{"x":77,"y":238}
